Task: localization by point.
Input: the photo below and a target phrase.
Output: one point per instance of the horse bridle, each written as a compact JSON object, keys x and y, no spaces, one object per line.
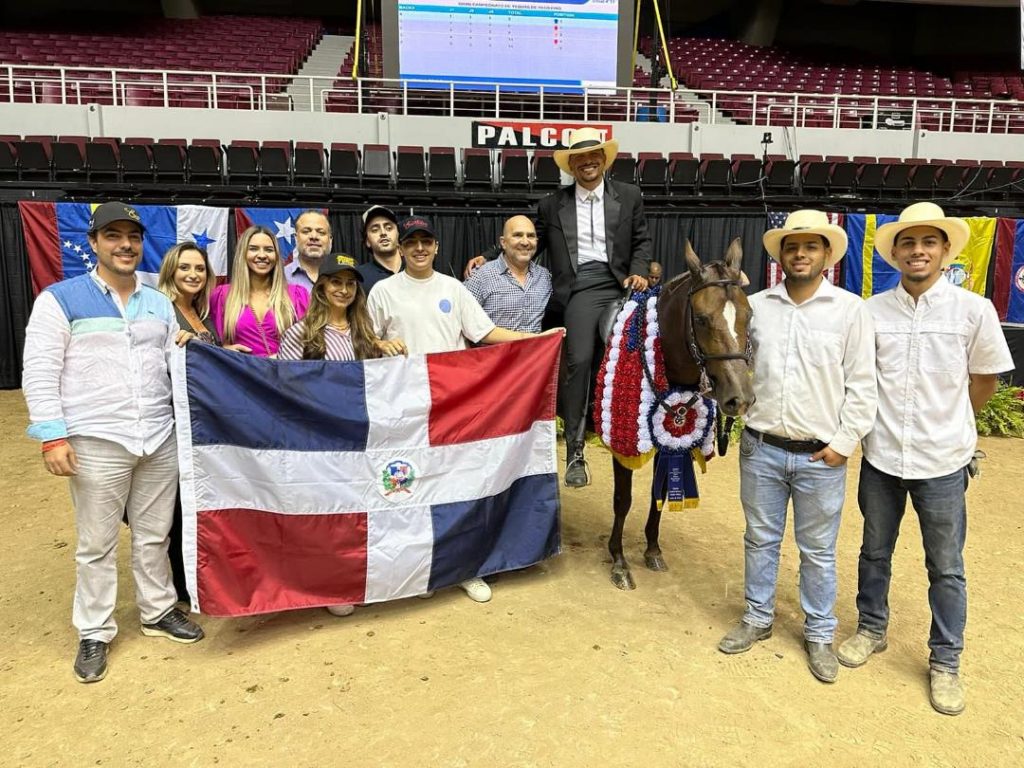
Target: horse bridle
{"x":700,"y":358}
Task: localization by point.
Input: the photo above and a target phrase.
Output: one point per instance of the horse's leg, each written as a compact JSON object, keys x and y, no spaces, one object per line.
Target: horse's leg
{"x":659,"y":492}
{"x":623,"y":498}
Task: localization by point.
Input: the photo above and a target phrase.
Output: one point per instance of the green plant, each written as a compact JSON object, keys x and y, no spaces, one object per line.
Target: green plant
{"x":1003,"y":415}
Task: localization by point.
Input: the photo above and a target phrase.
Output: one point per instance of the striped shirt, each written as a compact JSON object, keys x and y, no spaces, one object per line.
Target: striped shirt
{"x":338,"y":343}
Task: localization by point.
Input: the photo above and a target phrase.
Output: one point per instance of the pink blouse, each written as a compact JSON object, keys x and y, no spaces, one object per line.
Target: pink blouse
{"x":247,"y":329}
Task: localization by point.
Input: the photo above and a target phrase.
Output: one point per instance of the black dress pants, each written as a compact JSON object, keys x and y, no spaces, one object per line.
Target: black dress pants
{"x":594,"y":290}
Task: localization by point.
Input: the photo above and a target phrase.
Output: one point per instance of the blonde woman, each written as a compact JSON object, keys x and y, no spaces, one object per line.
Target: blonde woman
{"x":259,"y":305}
{"x":185,"y":280}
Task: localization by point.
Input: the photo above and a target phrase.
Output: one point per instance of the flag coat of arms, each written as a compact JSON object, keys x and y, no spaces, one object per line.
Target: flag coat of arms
{"x":313,"y":483}
{"x":58,"y":247}
{"x":1008,"y":291}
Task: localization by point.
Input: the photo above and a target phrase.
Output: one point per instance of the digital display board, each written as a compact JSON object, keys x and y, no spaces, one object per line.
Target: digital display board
{"x":528,"y":42}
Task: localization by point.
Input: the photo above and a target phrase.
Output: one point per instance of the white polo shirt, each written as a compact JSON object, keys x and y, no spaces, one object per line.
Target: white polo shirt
{"x":926,"y":351}
{"x":814,"y":366}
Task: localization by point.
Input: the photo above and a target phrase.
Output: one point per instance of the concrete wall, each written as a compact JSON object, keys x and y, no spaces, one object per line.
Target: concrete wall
{"x":93,"y":120}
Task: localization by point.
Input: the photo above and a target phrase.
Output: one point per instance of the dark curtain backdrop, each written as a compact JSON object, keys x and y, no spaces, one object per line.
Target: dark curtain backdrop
{"x":16,"y":290}
{"x":463,"y":234}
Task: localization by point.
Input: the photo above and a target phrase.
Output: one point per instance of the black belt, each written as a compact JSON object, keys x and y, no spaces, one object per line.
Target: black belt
{"x":793,"y":446}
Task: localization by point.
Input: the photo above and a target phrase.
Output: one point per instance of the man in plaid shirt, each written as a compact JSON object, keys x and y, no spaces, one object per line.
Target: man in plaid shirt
{"x":513,"y":291}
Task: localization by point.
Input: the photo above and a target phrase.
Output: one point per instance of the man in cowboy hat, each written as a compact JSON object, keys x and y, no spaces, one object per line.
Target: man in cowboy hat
{"x":940,"y":350}
{"x":814,"y":382}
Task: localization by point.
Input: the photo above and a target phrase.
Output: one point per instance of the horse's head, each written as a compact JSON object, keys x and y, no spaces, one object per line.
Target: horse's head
{"x":717,"y":326}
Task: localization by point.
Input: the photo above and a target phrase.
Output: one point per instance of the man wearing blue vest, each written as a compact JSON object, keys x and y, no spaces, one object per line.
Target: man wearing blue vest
{"x":98,"y":390}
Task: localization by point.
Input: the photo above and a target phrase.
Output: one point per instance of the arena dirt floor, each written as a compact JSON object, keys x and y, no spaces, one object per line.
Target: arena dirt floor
{"x":559,"y":669}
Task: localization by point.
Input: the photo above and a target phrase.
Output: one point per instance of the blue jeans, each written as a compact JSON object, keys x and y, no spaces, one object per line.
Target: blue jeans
{"x":769,"y":478}
{"x":942,"y":511}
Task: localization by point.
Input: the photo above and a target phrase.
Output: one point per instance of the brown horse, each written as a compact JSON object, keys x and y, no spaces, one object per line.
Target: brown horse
{"x":703,"y":316}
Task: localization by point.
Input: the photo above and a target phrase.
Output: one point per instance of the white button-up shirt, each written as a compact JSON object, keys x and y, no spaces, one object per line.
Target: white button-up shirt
{"x":590,"y":234}
{"x":814,"y":367}
{"x":926,"y":351}
{"x":96,"y":367}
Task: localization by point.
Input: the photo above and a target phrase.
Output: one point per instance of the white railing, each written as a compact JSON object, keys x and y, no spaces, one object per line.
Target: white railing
{"x":263,"y":91}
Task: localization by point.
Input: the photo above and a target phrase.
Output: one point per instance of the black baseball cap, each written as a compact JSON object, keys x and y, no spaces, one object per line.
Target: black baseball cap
{"x":108,"y":213}
{"x":413,"y":224}
{"x":339,"y":262}
{"x":378,"y":210}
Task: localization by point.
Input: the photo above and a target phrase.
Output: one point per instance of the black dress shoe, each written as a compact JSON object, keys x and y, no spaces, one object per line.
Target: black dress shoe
{"x":91,"y":662}
{"x":175,"y":626}
{"x":576,"y":472}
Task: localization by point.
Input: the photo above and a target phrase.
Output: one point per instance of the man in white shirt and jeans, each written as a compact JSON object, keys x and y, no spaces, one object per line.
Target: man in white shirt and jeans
{"x":940,"y":349}
{"x":418,"y":311}
{"x":97,"y":384}
{"x":814,"y":379}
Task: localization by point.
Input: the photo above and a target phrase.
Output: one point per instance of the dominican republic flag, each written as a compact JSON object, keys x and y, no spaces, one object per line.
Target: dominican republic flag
{"x":58,"y":248}
{"x":312,"y":483}
{"x":280,"y":221}
{"x":776,"y":220}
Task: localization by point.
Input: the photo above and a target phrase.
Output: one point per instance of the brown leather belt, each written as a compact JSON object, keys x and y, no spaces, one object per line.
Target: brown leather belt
{"x":793,"y":446}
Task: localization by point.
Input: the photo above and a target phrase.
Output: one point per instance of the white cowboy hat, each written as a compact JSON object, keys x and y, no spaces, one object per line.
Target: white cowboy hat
{"x":808,"y":222}
{"x":586,"y":140}
{"x":923,"y":215}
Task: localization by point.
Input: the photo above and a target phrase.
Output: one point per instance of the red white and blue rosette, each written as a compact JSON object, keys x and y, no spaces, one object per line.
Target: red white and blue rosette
{"x":676,"y":430}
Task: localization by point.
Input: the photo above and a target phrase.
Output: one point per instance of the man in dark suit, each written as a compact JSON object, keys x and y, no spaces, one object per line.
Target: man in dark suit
{"x":596,"y":239}
{"x":593,"y":237}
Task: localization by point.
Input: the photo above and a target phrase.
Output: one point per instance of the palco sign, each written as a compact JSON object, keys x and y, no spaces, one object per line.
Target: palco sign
{"x":510,"y":134}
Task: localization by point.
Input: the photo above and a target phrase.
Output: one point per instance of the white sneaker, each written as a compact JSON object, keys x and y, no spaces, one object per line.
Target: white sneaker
{"x":341,"y":610}
{"x":477,"y":589}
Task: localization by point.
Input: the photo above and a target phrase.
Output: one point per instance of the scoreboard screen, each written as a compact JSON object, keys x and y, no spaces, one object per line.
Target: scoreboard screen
{"x":569,"y":43}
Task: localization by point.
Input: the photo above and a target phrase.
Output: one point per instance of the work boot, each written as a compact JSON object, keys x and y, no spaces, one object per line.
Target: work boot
{"x":742,"y":637}
{"x":91,"y":661}
{"x":855,"y":650}
{"x":822,"y":661}
{"x":947,"y":695}
{"x":576,"y":473}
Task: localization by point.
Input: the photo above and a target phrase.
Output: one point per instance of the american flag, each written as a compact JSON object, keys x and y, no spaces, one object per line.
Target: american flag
{"x":777,"y":219}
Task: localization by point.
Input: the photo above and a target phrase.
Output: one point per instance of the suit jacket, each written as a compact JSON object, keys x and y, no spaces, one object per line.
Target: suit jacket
{"x":628,"y":243}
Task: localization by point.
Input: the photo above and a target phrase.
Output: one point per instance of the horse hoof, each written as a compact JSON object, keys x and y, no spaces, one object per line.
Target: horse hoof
{"x":655,"y":562}
{"x":623,"y":579}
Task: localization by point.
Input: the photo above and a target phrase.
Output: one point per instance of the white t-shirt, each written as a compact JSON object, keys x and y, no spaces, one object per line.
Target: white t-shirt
{"x":436,"y":314}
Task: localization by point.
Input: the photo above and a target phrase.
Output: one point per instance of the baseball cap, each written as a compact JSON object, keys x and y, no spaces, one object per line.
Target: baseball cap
{"x":413,"y":224}
{"x":378,"y":210}
{"x":339,"y":262}
{"x":108,"y":213}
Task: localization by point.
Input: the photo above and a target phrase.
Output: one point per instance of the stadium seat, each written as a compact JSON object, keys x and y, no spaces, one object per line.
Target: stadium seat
{"x":309,"y":164}
{"x":871,"y":175}
{"x":8,"y":162}
{"x":515,"y":169}
{"x":205,"y":162}
{"x":684,"y":173}
{"x":376,"y":165}
{"x":410,"y":168}
{"x":102,"y":158}
{"x":950,"y":177}
{"x":923,"y":176}
{"x":243,"y":162}
{"x":441,"y":168}
{"x":746,"y":174}
{"x":897,"y":175}
{"x":781,"y":174}
{"x":715,"y":170}
{"x":477,"y":169}
{"x":68,"y":159}
{"x":814,"y":174}
{"x":624,"y":168}
{"x":276,"y":163}
{"x":136,"y":160}
{"x":652,"y":172}
{"x":546,"y":175}
{"x":170,"y":161}
{"x":343,"y":168}
{"x":842,"y":178}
